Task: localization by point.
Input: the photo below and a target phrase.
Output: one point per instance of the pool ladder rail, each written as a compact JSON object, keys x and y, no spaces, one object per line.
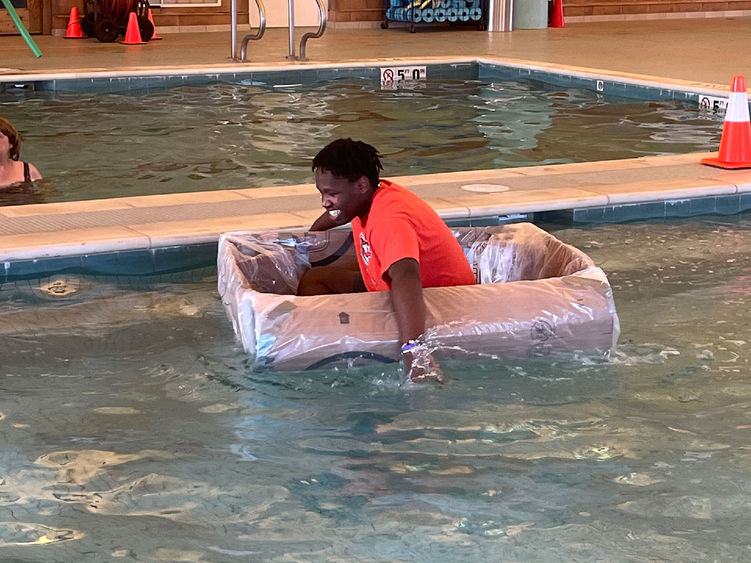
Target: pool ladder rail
{"x":309,"y":35}
{"x":253,"y":36}
{"x":262,"y":29}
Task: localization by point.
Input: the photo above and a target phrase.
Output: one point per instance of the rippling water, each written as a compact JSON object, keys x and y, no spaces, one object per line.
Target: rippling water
{"x":239,"y":135}
{"x":134,"y":429}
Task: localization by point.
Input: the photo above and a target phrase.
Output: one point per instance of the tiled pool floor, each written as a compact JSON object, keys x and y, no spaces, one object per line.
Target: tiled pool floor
{"x":692,"y":53}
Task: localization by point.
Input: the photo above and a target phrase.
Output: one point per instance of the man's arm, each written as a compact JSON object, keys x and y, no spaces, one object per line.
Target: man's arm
{"x":324,"y":223}
{"x":406,"y":297}
{"x":409,"y":306}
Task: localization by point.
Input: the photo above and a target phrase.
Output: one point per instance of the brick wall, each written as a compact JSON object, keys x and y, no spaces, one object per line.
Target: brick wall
{"x":636,"y":7}
{"x":351,"y":11}
{"x":356,"y":10}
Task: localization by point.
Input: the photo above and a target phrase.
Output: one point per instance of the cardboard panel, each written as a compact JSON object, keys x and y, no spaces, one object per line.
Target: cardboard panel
{"x":537,"y":296}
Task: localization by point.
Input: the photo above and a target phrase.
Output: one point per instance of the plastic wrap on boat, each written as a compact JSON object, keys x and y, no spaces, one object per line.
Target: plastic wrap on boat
{"x":535,"y":296}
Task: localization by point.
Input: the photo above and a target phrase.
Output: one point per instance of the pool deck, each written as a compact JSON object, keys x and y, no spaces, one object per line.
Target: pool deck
{"x":688,"y":53}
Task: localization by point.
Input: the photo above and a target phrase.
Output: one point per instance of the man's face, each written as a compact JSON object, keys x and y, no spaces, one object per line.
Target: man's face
{"x":341,"y":198}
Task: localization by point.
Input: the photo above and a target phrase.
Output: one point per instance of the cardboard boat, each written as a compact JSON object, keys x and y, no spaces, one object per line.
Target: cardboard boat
{"x":535,"y":296}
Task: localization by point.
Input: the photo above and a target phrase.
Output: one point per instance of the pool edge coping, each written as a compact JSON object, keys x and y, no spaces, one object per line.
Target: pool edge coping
{"x":589,"y":187}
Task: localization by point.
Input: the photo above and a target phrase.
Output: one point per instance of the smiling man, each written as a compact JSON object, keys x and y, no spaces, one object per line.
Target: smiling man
{"x":402,"y":245}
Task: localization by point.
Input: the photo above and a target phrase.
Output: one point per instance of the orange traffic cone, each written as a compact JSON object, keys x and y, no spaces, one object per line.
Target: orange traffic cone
{"x":74,"y":30}
{"x":133,"y":32}
{"x":556,"y":18}
{"x":151,"y":19}
{"x":735,"y":145}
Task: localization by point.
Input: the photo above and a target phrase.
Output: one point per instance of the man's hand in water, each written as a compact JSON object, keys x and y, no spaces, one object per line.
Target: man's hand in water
{"x":421,"y":367}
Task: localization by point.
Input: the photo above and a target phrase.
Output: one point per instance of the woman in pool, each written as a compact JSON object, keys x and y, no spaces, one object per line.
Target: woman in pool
{"x":13,"y":171}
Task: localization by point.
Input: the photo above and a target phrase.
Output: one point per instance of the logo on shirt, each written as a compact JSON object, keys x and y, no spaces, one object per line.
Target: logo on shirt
{"x":365,"y":252}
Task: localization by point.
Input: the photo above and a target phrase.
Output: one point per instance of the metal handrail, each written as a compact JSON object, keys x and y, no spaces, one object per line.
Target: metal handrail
{"x":317,"y":34}
{"x":262,"y":29}
{"x":291,"y":29}
{"x":233,"y":29}
{"x":259,"y":32}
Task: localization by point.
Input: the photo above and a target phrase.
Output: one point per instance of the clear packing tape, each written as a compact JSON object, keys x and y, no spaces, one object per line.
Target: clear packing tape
{"x":535,"y":296}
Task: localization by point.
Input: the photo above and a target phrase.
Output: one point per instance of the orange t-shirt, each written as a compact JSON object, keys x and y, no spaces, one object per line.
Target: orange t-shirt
{"x":401,"y":225}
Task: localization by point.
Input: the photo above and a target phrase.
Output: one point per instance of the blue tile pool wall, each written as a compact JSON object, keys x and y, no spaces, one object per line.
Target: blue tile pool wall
{"x":145,"y":264}
{"x":266,"y":78}
{"x":492,"y":72}
{"x":692,"y":207}
{"x":274,"y":78}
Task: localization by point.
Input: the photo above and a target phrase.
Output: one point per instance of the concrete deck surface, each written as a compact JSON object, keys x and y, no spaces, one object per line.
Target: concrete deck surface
{"x":708,"y":50}
{"x":697,"y":53}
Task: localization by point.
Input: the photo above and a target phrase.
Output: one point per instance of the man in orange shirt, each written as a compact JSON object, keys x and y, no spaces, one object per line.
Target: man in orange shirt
{"x":402,"y":245}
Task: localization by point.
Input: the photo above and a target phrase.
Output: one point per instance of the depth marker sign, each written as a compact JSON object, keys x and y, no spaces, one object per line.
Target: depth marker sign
{"x":391,"y":77}
{"x":715,"y":105}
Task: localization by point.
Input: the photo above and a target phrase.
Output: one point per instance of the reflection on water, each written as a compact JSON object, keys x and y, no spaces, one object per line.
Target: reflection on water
{"x":242,"y":135}
{"x":24,"y":193}
{"x":134,"y":429}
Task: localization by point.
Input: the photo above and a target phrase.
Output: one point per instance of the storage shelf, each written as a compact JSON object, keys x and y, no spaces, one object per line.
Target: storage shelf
{"x":435,"y":11}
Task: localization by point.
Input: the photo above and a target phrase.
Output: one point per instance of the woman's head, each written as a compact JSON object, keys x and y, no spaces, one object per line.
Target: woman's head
{"x":14,"y":138}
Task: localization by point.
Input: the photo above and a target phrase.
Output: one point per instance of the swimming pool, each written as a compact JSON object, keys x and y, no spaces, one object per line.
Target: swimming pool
{"x":152,"y":135}
{"x":134,"y":429}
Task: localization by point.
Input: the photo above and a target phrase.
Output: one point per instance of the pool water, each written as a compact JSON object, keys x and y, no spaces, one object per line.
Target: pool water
{"x":239,"y":135}
{"x":134,"y":429}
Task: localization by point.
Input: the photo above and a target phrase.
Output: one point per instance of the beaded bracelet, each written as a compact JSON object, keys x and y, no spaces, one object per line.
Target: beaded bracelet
{"x":410,"y":345}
